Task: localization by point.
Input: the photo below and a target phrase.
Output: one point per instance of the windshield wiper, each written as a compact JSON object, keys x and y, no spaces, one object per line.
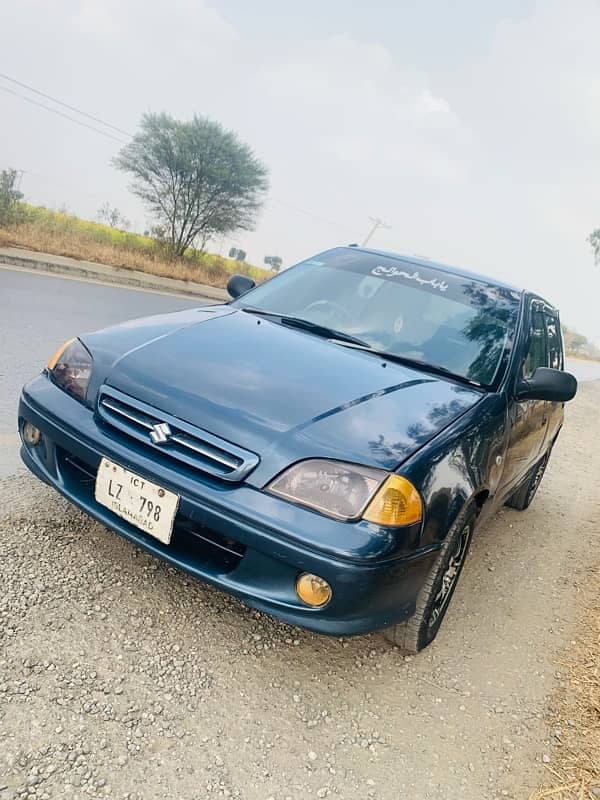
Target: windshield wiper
{"x":347,"y":340}
{"x":436,"y":369}
{"x":307,"y":325}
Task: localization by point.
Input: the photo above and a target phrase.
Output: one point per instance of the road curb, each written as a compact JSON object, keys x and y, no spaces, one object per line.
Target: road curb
{"x":88,"y":270}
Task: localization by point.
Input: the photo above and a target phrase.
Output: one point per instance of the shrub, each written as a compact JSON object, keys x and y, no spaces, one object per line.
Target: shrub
{"x":61,"y":233}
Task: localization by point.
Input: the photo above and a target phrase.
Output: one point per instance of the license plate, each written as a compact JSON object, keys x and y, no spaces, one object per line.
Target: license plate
{"x":139,"y":501}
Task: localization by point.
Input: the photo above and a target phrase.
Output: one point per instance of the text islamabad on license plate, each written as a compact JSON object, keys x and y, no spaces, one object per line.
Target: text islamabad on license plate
{"x":141,"y":502}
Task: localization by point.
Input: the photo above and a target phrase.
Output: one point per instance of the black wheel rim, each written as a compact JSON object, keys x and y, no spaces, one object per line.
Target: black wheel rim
{"x":450,"y":576}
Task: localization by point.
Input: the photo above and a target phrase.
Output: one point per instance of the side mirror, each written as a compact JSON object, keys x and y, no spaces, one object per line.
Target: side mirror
{"x":239,"y":284}
{"x":548,"y":384}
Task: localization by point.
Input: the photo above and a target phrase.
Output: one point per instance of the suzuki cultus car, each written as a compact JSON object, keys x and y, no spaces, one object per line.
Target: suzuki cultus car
{"x":324,"y":445}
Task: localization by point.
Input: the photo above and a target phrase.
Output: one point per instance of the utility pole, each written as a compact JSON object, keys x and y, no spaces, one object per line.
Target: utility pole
{"x":377,"y":223}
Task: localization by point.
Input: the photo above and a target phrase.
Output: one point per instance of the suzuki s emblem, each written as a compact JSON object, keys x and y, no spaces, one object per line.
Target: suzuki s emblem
{"x":160,"y":433}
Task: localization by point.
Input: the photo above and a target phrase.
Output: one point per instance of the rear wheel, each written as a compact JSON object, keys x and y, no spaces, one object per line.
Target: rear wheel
{"x":523,"y":496}
{"x":434,"y":598}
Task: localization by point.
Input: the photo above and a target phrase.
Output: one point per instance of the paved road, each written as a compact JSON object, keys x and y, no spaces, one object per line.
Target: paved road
{"x":37,"y":313}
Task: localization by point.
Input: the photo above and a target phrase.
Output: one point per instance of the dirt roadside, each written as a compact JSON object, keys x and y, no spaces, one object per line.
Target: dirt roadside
{"x":575,"y":708}
{"x":121,"y":677}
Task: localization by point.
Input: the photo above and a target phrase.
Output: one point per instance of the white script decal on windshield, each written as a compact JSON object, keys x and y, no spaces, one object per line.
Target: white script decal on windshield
{"x":393,"y":272}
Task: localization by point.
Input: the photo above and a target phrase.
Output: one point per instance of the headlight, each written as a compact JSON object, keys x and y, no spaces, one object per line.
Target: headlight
{"x":349,"y":491}
{"x":71,"y":368}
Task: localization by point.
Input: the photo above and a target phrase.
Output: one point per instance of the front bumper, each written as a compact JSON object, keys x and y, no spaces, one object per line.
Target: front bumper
{"x":234,"y":536}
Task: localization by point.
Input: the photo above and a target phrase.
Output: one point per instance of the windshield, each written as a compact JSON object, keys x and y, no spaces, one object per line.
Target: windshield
{"x":461,"y":325}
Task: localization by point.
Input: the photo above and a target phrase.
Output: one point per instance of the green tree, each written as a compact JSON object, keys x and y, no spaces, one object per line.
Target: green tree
{"x":237,"y":254}
{"x":274,"y":262}
{"x":576,"y":342}
{"x":9,"y":195}
{"x":594,"y":240}
{"x":196,"y":178}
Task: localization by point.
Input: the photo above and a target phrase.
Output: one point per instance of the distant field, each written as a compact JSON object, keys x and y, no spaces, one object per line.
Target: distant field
{"x":62,"y":234}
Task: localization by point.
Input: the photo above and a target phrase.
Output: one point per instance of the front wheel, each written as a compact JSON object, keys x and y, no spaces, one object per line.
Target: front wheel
{"x":434,"y":598}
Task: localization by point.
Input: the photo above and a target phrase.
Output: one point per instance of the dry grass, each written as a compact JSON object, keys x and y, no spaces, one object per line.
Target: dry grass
{"x":576,"y":710}
{"x":60,"y":234}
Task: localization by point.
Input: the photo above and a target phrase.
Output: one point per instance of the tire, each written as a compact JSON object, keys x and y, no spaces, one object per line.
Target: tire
{"x":433,"y":600}
{"x":523,"y":496}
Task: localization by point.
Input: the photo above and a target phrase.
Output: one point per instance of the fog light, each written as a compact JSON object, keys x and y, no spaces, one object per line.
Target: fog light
{"x":31,"y":434}
{"x":312,"y":590}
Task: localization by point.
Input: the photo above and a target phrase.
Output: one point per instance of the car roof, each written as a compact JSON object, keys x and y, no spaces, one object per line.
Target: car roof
{"x":424,"y":262}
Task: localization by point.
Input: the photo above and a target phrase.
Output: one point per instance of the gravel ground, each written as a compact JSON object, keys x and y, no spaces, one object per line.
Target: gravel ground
{"x":121,"y":677}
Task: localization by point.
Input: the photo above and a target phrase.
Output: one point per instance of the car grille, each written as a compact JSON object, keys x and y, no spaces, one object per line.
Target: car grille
{"x":183,"y":442}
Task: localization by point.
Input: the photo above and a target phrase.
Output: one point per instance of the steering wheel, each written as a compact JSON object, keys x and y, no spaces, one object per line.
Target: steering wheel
{"x":328,"y":306}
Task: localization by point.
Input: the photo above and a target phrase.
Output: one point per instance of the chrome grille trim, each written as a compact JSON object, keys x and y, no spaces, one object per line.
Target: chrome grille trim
{"x":209,"y":452}
{"x":187,"y":444}
{"x":118,"y":409}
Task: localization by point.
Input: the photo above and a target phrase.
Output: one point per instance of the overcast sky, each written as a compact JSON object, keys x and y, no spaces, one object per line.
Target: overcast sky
{"x":472,"y":127}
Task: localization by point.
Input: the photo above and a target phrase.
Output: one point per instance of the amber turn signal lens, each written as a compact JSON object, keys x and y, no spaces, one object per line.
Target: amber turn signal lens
{"x":312,"y":590}
{"x":58,"y":353}
{"x":397,"y":502}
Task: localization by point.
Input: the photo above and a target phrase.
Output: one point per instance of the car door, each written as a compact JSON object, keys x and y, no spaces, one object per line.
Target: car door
{"x":554,"y":346}
{"x":528,"y":418}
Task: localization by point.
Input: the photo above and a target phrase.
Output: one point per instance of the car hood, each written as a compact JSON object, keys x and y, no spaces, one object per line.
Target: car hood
{"x":282,"y":393}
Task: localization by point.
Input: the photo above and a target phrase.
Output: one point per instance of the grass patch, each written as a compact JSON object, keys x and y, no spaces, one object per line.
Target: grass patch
{"x":576,"y":710}
{"x":54,"y":232}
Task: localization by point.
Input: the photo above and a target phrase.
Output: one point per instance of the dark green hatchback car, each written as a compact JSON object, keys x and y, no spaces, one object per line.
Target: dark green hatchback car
{"x":323,"y":445}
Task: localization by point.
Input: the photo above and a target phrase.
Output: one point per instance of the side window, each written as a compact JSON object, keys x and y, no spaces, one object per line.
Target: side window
{"x":536,"y":354}
{"x":555,"y":351}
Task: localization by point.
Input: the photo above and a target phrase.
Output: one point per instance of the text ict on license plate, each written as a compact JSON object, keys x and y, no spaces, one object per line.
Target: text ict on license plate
{"x":144,"y":504}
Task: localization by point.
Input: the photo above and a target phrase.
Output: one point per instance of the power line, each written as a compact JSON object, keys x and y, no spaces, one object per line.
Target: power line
{"x":379,"y":223}
{"x":310,"y":214}
{"x":65,"y":105}
{"x":61,"y":114}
